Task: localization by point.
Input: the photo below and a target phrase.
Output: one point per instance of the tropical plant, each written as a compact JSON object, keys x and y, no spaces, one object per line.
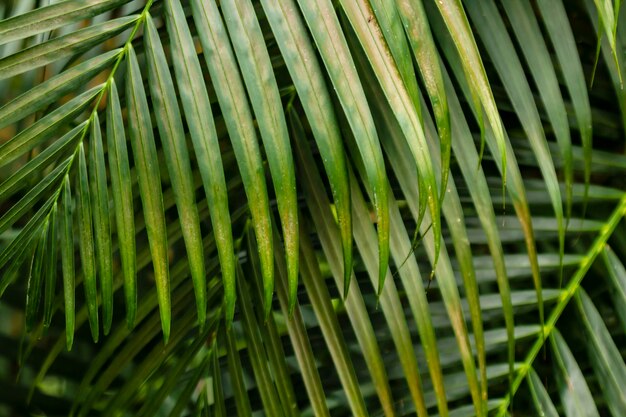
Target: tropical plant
{"x":366,"y":257}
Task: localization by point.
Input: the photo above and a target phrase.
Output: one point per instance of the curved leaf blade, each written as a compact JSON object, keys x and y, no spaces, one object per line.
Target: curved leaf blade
{"x":458,"y":26}
{"x":404,"y":110}
{"x":493,"y":33}
{"x":418,"y":31}
{"x":306,"y":73}
{"x":328,"y":36}
{"x":515,"y":186}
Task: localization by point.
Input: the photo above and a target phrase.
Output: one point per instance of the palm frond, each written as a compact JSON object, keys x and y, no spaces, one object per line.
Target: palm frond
{"x":242,"y":207}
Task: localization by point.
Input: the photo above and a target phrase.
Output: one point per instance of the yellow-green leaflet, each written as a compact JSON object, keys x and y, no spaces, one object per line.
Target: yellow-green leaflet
{"x":232,"y":99}
{"x":149,"y":179}
{"x":425,"y":53}
{"x":305,"y":70}
{"x":514,"y":186}
{"x":172,"y":135}
{"x":329,"y":38}
{"x":463,"y":39}
{"x":369,"y":37}
{"x":258,"y":75}
{"x":198,"y":114}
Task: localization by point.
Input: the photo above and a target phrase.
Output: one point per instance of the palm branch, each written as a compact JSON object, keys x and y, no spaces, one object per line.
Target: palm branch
{"x":312,"y":208}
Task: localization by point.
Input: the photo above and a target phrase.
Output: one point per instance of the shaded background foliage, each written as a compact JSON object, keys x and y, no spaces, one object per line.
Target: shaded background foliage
{"x":327,"y":112}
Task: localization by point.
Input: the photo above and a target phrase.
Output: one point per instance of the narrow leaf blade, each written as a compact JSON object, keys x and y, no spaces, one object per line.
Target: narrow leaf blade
{"x":121,"y":189}
{"x":199,"y":118}
{"x":144,"y":152}
{"x":177,"y":159}
{"x":87,"y":252}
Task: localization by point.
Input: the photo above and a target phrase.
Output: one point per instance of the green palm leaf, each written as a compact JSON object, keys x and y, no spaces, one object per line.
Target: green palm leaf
{"x":333,"y":152}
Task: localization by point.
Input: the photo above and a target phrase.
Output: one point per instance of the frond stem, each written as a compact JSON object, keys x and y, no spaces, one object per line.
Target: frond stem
{"x":572,"y":287}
